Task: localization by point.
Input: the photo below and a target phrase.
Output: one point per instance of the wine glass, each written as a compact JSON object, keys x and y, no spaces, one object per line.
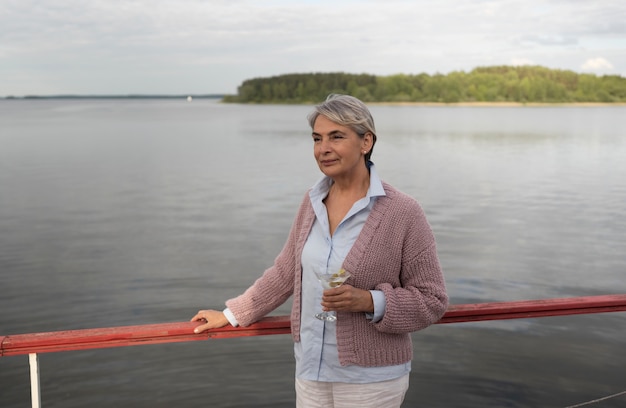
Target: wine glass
{"x":329,"y":281}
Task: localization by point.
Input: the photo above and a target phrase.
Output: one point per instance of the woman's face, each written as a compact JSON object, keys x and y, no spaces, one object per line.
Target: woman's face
{"x":338,"y":149}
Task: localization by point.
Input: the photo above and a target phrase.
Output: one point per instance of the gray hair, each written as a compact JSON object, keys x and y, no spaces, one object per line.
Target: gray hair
{"x":348,"y":111}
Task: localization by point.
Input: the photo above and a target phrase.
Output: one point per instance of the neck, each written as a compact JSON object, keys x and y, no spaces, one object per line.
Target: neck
{"x":357,"y":183}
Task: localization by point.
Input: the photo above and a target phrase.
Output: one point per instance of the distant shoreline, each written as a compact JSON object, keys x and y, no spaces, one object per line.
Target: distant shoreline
{"x":138,"y":96}
{"x":221,"y":96}
{"x":501,"y":104}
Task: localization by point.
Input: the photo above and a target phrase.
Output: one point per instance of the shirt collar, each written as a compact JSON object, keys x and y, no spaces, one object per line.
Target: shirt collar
{"x":319,"y":191}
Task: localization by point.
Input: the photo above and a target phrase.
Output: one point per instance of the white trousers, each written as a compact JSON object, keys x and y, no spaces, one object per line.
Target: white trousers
{"x":384,"y":394}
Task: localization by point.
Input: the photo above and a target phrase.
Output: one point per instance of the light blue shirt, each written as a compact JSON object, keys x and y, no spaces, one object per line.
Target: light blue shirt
{"x":316,"y":354}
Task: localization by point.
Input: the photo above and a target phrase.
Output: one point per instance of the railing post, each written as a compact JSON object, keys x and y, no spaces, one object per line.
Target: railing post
{"x":35,"y":391}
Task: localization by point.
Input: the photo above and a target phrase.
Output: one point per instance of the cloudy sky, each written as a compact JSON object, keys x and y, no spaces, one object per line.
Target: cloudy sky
{"x":194,"y":46}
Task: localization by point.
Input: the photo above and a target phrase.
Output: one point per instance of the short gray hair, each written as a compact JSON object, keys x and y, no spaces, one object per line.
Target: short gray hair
{"x":347,"y":111}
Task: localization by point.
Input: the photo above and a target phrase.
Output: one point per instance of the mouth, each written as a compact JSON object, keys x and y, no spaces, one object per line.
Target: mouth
{"x":328,"y":162}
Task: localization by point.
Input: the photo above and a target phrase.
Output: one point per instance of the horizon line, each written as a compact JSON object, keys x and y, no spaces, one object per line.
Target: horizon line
{"x":118,"y":96}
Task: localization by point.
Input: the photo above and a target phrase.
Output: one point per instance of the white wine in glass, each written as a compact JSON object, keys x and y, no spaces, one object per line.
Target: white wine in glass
{"x":329,"y":281}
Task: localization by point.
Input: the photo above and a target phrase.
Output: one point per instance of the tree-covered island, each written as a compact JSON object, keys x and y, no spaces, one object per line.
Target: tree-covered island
{"x":518,"y":84}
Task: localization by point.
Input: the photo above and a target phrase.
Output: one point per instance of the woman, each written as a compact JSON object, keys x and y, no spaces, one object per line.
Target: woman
{"x":349,"y":220}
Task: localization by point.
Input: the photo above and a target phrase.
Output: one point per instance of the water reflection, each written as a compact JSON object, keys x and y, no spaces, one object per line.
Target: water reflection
{"x":116,"y":213}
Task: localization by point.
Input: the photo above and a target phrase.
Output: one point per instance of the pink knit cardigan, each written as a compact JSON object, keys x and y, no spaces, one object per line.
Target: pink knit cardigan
{"x":395,"y":253}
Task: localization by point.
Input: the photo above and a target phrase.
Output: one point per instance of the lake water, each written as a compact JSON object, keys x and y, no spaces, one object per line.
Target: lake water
{"x":125,"y":212}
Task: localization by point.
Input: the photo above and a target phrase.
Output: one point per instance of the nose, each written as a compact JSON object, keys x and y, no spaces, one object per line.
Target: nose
{"x":323,"y":146}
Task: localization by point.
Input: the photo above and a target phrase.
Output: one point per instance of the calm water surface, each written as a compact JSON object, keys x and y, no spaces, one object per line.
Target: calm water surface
{"x":118,"y":212}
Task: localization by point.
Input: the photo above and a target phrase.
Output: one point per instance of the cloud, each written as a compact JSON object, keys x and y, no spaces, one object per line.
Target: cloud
{"x":597,"y":64}
{"x":548,"y":40}
{"x":160,"y":46}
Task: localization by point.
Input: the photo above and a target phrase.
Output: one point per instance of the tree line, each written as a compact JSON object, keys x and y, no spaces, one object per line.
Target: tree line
{"x":523,"y":84}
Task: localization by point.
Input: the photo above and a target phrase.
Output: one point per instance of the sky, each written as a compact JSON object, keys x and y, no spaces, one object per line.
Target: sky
{"x":121,"y":47}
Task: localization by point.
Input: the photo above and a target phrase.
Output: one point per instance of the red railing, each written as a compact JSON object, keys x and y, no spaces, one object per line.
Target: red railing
{"x":18,"y":344}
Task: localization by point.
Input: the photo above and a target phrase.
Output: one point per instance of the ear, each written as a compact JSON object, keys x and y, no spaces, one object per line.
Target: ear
{"x":368,"y":141}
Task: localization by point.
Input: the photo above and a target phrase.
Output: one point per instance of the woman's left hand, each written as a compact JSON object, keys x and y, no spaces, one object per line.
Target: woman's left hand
{"x":346,"y":298}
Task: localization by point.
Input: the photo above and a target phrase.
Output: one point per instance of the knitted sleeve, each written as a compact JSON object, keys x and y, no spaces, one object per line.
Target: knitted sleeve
{"x":419,"y":298}
{"x":276,"y":284}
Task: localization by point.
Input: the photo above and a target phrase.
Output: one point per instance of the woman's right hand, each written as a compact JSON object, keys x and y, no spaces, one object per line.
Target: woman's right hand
{"x":212,"y":319}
